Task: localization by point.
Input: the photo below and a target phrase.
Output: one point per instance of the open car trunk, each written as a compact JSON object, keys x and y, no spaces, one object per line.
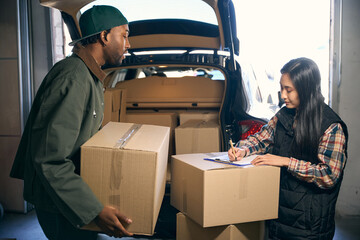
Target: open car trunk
{"x":158,"y":99}
{"x":197,"y":93}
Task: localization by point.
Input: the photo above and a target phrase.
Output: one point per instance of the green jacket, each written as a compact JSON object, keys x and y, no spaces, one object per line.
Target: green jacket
{"x":67,"y":111}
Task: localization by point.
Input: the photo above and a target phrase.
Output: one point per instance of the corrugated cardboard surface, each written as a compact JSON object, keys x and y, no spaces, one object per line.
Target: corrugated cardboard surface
{"x":197,"y":136}
{"x":205,"y":116}
{"x":214,"y":194}
{"x":187,"y":229}
{"x":132,"y":178}
{"x":114,"y":105}
{"x":160,"y":119}
{"x":153,"y":118}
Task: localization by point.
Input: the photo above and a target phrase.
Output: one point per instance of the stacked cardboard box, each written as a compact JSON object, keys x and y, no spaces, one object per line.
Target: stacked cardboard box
{"x":213,"y":194}
{"x":125,"y":166}
{"x":198,"y":115}
{"x":187,"y":229}
{"x":160,"y":119}
{"x":114,"y":105}
{"x":197,"y":136}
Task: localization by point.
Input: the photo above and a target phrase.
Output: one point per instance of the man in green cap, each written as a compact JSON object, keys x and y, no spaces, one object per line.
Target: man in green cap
{"x":67,"y":111}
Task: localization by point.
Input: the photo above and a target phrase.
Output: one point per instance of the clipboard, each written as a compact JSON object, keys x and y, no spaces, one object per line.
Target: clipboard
{"x":246,"y":161}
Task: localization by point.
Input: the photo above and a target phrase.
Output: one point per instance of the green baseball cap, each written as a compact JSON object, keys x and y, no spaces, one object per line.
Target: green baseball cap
{"x":97,"y":19}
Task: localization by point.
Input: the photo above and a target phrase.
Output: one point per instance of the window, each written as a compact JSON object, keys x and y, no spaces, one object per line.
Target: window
{"x":273,"y":32}
{"x":135,"y":10}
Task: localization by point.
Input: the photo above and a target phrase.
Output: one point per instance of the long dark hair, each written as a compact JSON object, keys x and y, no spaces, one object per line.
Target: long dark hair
{"x":305,"y":75}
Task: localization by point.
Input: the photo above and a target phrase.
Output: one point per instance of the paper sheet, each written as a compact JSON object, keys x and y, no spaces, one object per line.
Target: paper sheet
{"x":225,"y":159}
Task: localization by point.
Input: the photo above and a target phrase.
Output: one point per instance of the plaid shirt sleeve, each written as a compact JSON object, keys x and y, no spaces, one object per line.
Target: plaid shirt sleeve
{"x":260,"y":142}
{"x":332,"y":158}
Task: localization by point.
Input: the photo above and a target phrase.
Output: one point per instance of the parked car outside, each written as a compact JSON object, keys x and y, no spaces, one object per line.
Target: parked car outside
{"x":263,"y":91}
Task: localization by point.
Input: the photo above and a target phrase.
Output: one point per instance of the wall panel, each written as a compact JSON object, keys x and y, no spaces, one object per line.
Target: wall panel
{"x":9,"y":98}
{"x":11,"y":189}
{"x":8,"y":26}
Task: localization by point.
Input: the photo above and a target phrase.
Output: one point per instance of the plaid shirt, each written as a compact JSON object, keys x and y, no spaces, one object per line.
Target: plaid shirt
{"x":331,"y":154}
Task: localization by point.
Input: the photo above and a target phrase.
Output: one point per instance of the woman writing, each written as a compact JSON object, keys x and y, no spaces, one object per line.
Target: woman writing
{"x":308,"y":140}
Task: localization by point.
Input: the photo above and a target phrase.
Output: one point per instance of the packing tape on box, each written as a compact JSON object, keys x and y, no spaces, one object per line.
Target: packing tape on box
{"x":116,"y":172}
{"x":201,"y":124}
{"x":184,"y":192}
{"x":127,"y":136}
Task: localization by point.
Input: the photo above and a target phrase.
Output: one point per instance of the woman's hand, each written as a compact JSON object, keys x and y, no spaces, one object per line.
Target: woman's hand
{"x":239,"y":154}
{"x":272,"y":160}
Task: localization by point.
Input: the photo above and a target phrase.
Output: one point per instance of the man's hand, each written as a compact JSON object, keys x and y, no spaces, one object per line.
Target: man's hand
{"x":112,"y":222}
{"x":239,"y":154}
{"x":272,"y":160}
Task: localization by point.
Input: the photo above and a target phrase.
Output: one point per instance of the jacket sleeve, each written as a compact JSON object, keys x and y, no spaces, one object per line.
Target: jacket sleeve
{"x":262,"y":141}
{"x":332,"y":160}
{"x":53,"y":138}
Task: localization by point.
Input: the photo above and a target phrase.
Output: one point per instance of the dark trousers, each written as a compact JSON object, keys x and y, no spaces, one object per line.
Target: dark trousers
{"x":57,"y":227}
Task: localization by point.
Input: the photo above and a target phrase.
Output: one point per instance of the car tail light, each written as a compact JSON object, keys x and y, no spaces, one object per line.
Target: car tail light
{"x":249,"y":127}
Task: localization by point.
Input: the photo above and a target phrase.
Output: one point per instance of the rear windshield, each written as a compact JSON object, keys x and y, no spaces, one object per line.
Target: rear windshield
{"x":136,"y":10}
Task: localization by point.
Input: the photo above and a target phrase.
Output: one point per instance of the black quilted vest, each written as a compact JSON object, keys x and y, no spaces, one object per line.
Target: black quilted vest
{"x":305,"y":211}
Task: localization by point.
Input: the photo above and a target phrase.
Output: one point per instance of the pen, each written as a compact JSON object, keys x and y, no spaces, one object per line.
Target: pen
{"x":233,"y":149}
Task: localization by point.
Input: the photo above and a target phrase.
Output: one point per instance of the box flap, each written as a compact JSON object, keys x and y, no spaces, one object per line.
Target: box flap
{"x":146,"y":138}
{"x":206,"y":116}
{"x":161,"y":119}
{"x":199,"y":123}
{"x":116,"y":100}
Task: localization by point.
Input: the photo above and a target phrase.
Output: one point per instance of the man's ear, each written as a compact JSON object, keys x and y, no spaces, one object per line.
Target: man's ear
{"x":103,"y":38}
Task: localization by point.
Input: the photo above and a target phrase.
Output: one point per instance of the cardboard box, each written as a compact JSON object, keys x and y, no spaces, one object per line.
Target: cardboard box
{"x":153,"y":118}
{"x":187,"y":229}
{"x":114,"y":105}
{"x":214,"y":194}
{"x":161,"y":119}
{"x":197,"y":136}
{"x":125,"y":166}
{"x":205,"y":116}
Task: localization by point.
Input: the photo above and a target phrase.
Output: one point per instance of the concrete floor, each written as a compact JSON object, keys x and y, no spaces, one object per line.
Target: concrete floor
{"x":26,"y":227}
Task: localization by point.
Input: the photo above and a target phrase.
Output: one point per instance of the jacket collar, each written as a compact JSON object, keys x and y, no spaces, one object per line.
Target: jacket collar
{"x":286,"y":117}
{"x":89,"y":61}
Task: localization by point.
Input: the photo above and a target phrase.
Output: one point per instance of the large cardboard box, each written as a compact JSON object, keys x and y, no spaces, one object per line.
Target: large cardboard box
{"x":187,"y":229}
{"x":153,"y":118}
{"x":161,"y":119}
{"x":199,"y":115}
{"x":197,"y":136}
{"x":214,"y":194}
{"x":114,"y":105}
{"x":125,"y":166}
